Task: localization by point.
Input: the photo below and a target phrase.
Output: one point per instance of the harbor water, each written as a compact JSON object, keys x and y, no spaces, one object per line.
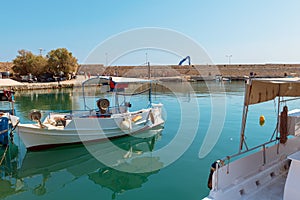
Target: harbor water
{"x":203,"y":121}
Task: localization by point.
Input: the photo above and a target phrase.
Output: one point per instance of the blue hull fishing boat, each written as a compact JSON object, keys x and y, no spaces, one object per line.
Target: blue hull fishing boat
{"x":8,"y":123}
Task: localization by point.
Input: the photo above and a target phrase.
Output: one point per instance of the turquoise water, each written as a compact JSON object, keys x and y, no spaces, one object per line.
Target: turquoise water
{"x":168,"y":161}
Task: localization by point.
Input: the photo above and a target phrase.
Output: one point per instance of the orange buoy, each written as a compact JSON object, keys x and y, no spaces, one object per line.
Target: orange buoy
{"x":136,"y":118}
{"x":262,"y":120}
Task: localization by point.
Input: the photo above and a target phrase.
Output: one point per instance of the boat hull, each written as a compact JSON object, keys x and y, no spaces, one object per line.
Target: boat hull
{"x":88,"y":129}
{"x":254,"y":176}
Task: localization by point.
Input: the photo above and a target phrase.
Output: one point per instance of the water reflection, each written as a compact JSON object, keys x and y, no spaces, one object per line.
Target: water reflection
{"x":76,"y":161}
{"x":48,"y":99}
{"x":119,"y":181}
{"x":71,"y":98}
{"x":8,"y":169}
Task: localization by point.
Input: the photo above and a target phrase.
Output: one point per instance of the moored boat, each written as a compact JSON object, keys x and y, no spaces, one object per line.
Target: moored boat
{"x":270,"y":170}
{"x":8,"y":120}
{"x":92,"y":124}
{"x":8,"y":123}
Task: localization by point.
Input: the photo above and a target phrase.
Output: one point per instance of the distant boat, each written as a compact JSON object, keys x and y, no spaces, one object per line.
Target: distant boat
{"x":91,"y":124}
{"x":220,"y":78}
{"x":270,"y":170}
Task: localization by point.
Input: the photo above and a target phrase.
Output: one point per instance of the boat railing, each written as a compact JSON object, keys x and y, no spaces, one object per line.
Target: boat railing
{"x":226,"y":161}
{"x":74,"y":113}
{"x":263,"y":146}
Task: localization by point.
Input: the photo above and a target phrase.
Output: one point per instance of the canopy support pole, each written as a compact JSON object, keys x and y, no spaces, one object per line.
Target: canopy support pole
{"x":242,"y":136}
{"x":245,"y":114}
{"x":150,"y":94}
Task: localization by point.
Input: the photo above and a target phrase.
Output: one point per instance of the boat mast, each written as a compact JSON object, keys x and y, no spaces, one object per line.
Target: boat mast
{"x":149,"y":71}
{"x":150,"y":84}
{"x":12,"y":101}
{"x":150,"y":94}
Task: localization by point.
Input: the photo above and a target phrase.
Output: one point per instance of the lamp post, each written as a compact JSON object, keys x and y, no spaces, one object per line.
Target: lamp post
{"x":146,"y":54}
{"x":229,"y":58}
{"x":41,"y":51}
{"x":106,"y":59}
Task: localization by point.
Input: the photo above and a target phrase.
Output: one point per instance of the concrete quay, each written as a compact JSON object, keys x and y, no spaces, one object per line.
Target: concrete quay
{"x":19,"y":86}
{"x":165,"y":73}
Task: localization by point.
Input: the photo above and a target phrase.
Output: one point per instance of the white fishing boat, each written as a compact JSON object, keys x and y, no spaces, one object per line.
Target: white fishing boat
{"x":90,"y":124}
{"x":270,"y":170}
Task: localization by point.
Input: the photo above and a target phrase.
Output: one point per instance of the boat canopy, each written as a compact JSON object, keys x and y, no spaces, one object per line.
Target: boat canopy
{"x":261,"y":90}
{"x":121,"y":83}
{"x":117,"y":80}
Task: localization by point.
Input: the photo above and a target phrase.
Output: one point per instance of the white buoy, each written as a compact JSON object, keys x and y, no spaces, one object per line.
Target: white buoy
{"x":125,"y":124}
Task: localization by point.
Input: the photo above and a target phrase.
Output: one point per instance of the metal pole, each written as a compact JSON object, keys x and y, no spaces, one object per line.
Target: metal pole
{"x":106,"y":60}
{"x":245,"y":113}
{"x":150,"y":94}
{"x":149,"y":71}
{"x":229,"y":58}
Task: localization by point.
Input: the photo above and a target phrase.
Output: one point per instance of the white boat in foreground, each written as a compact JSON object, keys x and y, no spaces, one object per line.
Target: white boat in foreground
{"x":270,"y":170}
{"x":91,"y":124}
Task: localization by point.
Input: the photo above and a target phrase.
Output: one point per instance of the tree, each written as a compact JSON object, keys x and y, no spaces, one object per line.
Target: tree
{"x":28,"y":63}
{"x":39,"y":65}
{"x":61,"y":60}
{"x":56,"y":61}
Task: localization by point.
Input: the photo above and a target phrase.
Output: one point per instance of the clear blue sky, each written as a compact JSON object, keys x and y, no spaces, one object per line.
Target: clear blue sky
{"x":252,"y":31}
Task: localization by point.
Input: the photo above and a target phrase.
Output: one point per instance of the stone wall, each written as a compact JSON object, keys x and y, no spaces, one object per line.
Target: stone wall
{"x":188,"y":71}
{"x":204,"y":71}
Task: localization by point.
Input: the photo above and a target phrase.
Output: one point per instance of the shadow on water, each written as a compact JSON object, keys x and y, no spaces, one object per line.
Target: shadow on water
{"x":77,"y":161}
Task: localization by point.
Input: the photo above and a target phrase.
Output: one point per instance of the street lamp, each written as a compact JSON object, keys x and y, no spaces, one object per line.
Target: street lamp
{"x":146,"y":54}
{"x":41,"y":50}
{"x":106,"y":59}
{"x":229,"y":58}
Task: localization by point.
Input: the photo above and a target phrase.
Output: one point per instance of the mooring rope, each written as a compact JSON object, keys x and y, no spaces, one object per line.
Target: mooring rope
{"x":4,"y":154}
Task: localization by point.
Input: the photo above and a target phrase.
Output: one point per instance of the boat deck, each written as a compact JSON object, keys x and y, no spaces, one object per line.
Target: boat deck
{"x":249,"y":178}
{"x":273,"y":190}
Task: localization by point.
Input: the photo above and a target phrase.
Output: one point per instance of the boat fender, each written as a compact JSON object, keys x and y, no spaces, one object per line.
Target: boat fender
{"x":125,"y":124}
{"x":262,"y":120}
{"x":212,"y":170}
{"x":283,"y":125}
{"x":152,"y":117}
{"x":4,"y":130}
